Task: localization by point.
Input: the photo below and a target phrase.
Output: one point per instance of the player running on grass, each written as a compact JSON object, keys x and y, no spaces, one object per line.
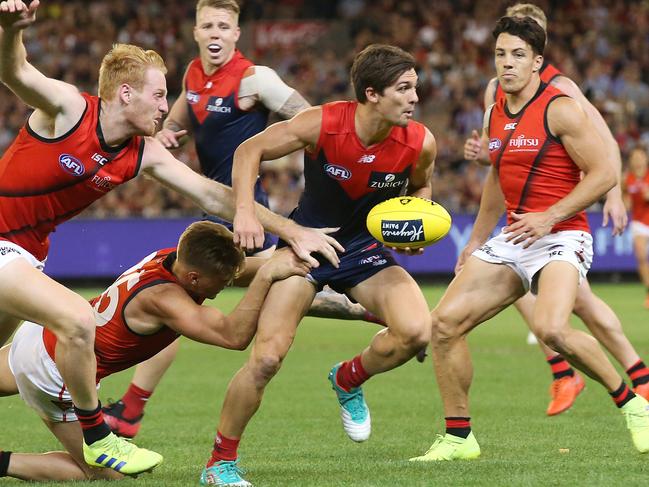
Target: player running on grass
{"x":598,"y":316}
{"x":225,"y":100}
{"x":351,"y":147}
{"x":141,"y":313}
{"x":540,"y":140}
{"x":75,"y":148}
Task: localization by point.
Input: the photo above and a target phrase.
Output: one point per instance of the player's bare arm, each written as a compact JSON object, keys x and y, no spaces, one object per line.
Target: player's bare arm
{"x":614,"y":206}
{"x":217,"y":199}
{"x":170,"y":305}
{"x":492,"y":207}
{"x":58,"y":105}
{"x":177,"y":124}
{"x":276,"y":141}
{"x":420,"y":183}
{"x":261,"y":84}
{"x":568,"y":122}
{"x":476,"y":148}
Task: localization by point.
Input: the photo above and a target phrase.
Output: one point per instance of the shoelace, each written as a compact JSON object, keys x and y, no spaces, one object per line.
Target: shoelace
{"x":438,"y":440}
{"x":121,"y":448}
{"x":229,"y":471}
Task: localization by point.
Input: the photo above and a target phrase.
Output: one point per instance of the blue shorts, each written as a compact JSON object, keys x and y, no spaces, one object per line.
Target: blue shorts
{"x":355,"y":267}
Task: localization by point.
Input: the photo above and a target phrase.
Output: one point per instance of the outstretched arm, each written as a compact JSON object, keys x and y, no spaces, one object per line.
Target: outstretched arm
{"x":54,"y":100}
{"x":171,"y":305}
{"x":217,"y":199}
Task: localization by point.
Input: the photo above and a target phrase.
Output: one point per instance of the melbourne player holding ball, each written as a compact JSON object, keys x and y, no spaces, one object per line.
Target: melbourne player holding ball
{"x":350,"y":147}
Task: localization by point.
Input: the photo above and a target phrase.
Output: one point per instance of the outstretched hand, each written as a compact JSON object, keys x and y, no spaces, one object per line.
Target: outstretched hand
{"x":15,"y":14}
{"x":306,"y":241}
{"x":171,"y":139}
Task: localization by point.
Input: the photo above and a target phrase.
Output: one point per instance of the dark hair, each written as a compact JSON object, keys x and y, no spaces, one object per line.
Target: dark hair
{"x":525,"y":28}
{"x":378,"y":66}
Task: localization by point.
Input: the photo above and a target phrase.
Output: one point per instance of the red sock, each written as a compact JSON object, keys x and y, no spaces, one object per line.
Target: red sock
{"x":224,"y":449}
{"x":622,"y":395}
{"x":351,"y":374}
{"x":560,"y":366}
{"x":134,"y":401}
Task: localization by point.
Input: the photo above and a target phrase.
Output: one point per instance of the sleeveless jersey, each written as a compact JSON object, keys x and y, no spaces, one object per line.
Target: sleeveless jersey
{"x":344,"y":179}
{"x":533,"y":167}
{"x":117,"y":347}
{"x":636,"y":188}
{"x":44,"y":182}
{"x":547,"y":74}
{"x":219,"y":125}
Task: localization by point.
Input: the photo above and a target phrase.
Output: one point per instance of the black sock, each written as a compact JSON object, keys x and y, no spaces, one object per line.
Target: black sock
{"x":458,"y":426}
{"x":622,"y":395}
{"x":92,"y":424}
{"x":4,"y":462}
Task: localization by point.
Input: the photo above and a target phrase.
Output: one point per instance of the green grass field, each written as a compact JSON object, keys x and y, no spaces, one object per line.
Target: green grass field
{"x":296,"y":438}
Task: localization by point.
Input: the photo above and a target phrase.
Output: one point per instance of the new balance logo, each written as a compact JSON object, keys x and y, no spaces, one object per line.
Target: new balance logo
{"x":367,"y":158}
{"x":510,"y":126}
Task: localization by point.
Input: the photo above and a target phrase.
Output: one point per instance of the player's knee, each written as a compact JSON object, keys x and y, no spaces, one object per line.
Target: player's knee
{"x":417,"y":336}
{"x":266,"y":365}
{"x":444,"y":327}
{"x":553,"y":337}
{"x":76,"y":327}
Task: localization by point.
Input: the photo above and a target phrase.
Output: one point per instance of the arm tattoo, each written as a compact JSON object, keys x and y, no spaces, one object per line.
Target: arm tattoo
{"x":294,"y":105}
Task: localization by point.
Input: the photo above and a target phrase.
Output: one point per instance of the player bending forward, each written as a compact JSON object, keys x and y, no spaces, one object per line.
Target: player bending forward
{"x":167,"y":287}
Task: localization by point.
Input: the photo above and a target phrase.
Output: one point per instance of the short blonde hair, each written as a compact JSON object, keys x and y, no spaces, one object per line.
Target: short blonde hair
{"x":230,"y":5}
{"x":528,"y":10}
{"x":126,"y":63}
{"x":207,"y":246}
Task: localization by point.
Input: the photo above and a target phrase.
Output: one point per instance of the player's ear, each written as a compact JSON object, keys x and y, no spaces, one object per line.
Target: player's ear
{"x":371,"y":94}
{"x":192,"y":277}
{"x":538,"y":62}
{"x":125,"y":93}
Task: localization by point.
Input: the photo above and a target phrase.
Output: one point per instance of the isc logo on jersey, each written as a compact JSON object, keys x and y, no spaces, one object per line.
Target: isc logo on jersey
{"x":214,"y":105}
{"x":71,"y":165}
{"x":337,"y":172}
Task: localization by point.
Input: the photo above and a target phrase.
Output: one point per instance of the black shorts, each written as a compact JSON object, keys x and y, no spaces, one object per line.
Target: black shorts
{"x":355,"y":267}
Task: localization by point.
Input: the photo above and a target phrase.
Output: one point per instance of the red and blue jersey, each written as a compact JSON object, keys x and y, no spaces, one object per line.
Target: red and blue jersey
{"x":344,"y":179}
{"x":218,"y":124}
{"x":45,"y":182}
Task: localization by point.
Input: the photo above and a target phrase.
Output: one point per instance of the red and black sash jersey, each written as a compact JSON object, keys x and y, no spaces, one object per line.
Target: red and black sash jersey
{"x":344,"y":179}
{"x":636,"y":188}
{"x":117,"y":347}
{"x":547,"y":74}
{"x":44,"y":182}
{"x":218,"y":124}
{"x":533,"y":167}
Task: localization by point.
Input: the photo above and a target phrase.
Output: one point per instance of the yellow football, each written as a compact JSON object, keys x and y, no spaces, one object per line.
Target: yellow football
{"x":407,"y":221}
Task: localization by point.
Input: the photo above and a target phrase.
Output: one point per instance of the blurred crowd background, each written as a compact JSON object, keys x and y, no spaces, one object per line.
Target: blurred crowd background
{"x":600,"y":44}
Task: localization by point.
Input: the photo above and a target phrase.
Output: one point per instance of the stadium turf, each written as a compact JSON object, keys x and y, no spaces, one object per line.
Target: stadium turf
{"x":296,"y":438}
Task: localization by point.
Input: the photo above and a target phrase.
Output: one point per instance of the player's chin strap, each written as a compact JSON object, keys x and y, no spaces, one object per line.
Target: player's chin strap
{"x":268,"y":86}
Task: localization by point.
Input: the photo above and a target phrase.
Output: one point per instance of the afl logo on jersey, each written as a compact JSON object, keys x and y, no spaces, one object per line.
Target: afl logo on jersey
{"x":71,"y":165}
{"x":193,"y":97}
{"x":337,"y":172}
{"x":494,"y":144}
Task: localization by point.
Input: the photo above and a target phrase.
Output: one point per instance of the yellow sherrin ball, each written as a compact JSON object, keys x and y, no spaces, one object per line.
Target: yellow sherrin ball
{"x":407,"y":221}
